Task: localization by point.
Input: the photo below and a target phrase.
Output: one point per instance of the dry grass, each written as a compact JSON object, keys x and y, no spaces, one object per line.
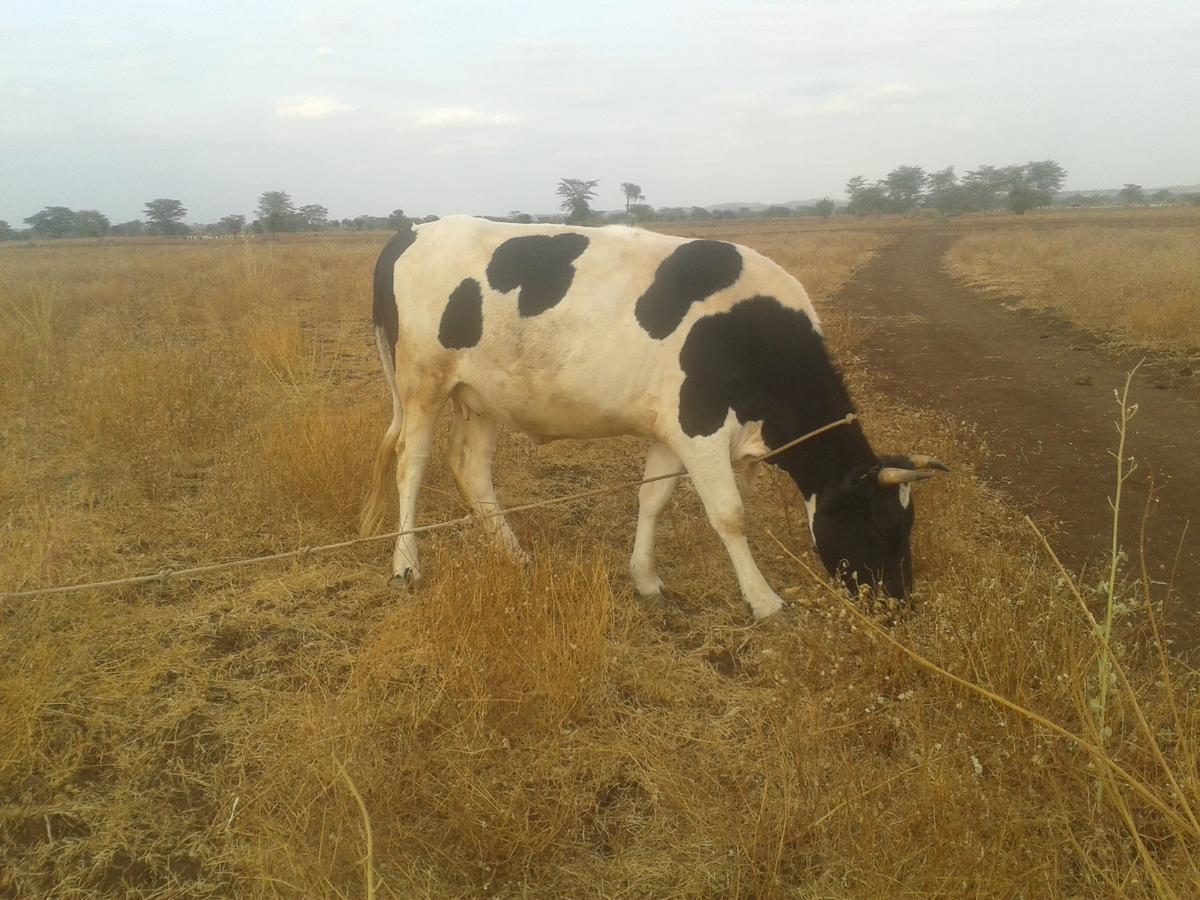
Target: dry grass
{"x":505,"y":732}
{"x":1138,"y":283}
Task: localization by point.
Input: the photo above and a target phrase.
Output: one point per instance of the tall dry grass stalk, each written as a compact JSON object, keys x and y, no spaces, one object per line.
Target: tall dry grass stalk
{"x":304,"y":731}
{"x":1138,"y":283}
{"x":1125,"y":469}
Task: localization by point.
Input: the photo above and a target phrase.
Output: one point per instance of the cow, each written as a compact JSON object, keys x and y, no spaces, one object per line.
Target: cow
{"x":707,"y":348}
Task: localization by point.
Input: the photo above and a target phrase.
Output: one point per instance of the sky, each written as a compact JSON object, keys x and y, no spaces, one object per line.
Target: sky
{"x":480,"y":107}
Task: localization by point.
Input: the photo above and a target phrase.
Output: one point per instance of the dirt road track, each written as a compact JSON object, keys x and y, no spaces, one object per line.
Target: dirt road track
{"x":1041,"y":392}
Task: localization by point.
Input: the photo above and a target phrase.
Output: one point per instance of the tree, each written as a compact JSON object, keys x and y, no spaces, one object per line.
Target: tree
{"x":642,"y":212}
{"x":398,"y":221}
{"x":370,"y":223}
{"x":1031,"y":185}
{"x":981,"y":188}
{"x":1023,"y":197}
{"x":904,"y":186}
{"x":276,"y":212}
{"x":61,"y":221}
{"x":1131,"y":193}
{"x":1162,"y":196}
{"x":52,"y":222}
{"x":1008,"y":177}
{"x":776,"y":212}
{"x":576,"y":193}
{"x":633,"y":195}
{"x":944,"y":193}
{"x":315,"y":216}
{"x":166,"y":216}
{"x":133,"y":228}
{"x":865,"y":199}
{"x":232,"y":224}
{"x":521,"y":218}
{"x":824,"y":208}
{"x":6,"y":232}
{"x":942,"y":180}
{"x":90,"y":223}
{"x":1046,"y":175}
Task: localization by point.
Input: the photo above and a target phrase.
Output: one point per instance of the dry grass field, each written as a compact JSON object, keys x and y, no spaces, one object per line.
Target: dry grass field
{"x":301,"y":730}
{"x":1141,"y":284}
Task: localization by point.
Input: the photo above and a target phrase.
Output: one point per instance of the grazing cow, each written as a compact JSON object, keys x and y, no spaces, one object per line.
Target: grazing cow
{"x":708,"y":349}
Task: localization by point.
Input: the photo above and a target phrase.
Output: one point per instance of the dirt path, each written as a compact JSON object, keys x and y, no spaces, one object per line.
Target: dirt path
{"x":1041,"y":392}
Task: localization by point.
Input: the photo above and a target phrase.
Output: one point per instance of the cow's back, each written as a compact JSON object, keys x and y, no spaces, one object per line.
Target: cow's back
{"x":564,"y":331}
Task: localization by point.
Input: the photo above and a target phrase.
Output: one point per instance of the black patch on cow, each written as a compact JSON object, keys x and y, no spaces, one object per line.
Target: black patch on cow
{"x":767,"y":363}
{"x":383,"y":310}
{"x":540,"y":265}
{"x":693,"y":271}
{"x":462,"y":319}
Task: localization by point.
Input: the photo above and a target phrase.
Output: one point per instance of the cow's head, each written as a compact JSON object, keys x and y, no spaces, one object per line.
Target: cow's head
{"x":862,"y":525}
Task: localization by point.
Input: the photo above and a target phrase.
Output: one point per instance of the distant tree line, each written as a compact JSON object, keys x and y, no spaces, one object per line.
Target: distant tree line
{"x":1016,"y":188}
{"x":905,"y":189}
{"x":277,"y":214}
{"x":577,"y":193}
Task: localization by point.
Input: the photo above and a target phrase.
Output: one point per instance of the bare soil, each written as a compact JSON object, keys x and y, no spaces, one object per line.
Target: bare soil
{"x":1040,"y":391}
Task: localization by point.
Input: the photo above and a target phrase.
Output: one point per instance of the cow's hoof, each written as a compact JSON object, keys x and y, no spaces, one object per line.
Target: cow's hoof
{"x":409,"y":579}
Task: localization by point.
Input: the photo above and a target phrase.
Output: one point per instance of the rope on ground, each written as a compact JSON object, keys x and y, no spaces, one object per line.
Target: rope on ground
{"x":305,"y":553}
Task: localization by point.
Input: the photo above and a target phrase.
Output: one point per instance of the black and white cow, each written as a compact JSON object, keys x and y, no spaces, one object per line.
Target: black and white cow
{"x":708,"y":349}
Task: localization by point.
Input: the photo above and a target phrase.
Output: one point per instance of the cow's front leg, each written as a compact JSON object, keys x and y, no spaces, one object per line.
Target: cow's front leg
{"x":652,"y":500}
{"x":708,"y":463}
{"x":420,"y":418}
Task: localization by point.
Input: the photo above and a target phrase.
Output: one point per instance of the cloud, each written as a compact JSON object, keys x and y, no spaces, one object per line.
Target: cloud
{"x":311,"y":108}
{"x":891,"y":97}
{"x":541,"y":53}
{"x":893,"y":93}
{"x":457,"y":116}
{"x":959,"y":121}
{"x":474,"y":146}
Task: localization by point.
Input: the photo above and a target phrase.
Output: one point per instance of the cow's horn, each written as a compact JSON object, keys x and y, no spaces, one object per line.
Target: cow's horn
{"x":928,"y":462}
{"x":889,"y":476}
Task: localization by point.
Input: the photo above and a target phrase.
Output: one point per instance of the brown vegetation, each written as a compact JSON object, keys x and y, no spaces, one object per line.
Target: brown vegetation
{"x":301,"y":730}
{"x":1139,"y":283}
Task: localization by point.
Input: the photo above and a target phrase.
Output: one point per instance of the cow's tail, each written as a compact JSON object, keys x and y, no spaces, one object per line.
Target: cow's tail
{"x":387,"y":328}
{"x":389,"y":447}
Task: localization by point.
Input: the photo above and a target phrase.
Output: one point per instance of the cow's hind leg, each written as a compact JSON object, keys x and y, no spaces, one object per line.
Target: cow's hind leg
{"x":420,"y":419}
{"x":708,"y":463}
{"x":472,"y":444}
{"x":652,"y":500}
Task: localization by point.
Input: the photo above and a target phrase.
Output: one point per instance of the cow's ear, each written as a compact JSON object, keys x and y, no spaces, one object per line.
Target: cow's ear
{"x":858,"y":485}
{"x":749,"y":443}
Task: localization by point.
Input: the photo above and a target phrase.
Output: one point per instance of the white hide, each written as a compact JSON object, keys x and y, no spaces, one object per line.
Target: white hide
{"x":810,"y":507}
